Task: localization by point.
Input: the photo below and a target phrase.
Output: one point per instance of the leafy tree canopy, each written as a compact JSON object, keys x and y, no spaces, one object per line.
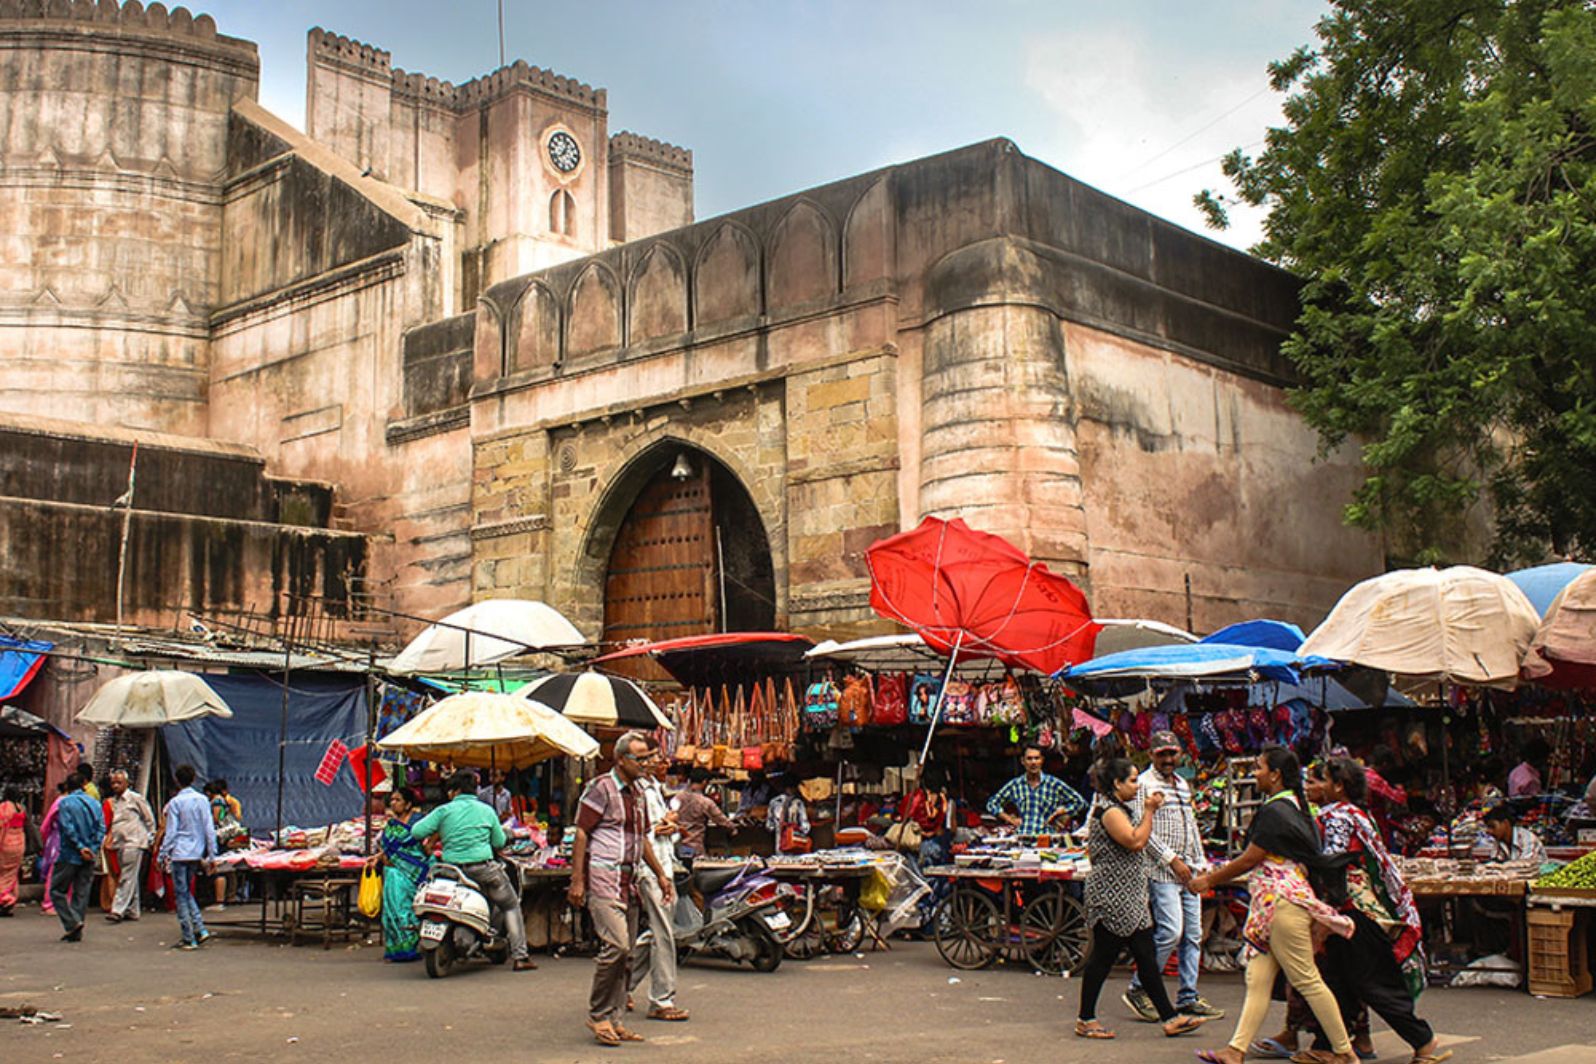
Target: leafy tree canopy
{"x":1435,"y":187}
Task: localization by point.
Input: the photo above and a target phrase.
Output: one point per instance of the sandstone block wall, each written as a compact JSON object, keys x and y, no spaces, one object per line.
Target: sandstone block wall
{"x":113,"y":123}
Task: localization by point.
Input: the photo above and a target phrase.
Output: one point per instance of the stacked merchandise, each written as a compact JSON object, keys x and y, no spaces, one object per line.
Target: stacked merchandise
{"x":742,"y":729}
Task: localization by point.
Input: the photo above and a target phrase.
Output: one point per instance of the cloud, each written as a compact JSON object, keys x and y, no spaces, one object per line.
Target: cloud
{"x":1147,"y":123}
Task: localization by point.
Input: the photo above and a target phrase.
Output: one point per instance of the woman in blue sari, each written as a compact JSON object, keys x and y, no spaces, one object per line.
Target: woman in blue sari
{"x":404,"y":864}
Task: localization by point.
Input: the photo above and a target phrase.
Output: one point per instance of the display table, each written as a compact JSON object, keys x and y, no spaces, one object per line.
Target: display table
{"x":1462,"y":895}
{"x":290,"y":898}
{"x":551,"y":923}
{"x":1032,"y":914}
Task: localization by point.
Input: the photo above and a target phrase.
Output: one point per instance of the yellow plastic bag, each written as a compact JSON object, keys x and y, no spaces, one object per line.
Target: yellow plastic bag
{"x":876,"y":891}
{"x":369,"y":900}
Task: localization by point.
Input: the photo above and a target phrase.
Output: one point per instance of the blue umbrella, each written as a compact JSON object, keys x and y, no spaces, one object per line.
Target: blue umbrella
{"x":1542,"y":583}
{"x":1195,"y":660}
{"x":1271,"y":635}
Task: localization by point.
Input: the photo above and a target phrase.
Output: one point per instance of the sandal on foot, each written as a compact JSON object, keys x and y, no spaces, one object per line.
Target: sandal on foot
{"x":1271,"y":1049}
{"x":669,"y":1013}
{"x":604,"y":1034}
{"x":627,"y":1036}
{"x":1092,"y":1029}
{"x":1431,"y":1058}
{"x":1211,"y":1056}
{"x":1182,"y":1025}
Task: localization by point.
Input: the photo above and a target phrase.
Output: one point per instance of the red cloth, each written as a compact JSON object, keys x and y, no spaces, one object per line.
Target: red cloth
{"x":957,"y":586}
{"x":357,"y":765}
{"x":331,"y":762}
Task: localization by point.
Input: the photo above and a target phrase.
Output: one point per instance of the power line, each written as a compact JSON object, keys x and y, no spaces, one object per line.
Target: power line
{"x":1200,"y":130}
{"x":1194,"y":166}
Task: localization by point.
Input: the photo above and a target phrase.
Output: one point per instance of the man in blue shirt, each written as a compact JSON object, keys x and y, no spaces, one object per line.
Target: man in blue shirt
{"x":188,"y":845}
{"x":1036,"y":798}
{"x":80,"y":824}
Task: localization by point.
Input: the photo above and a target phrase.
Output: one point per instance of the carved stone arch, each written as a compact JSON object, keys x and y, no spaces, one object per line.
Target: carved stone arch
{"x":657,"y":302}
{"x":726,"y":277}
{"x":637,"y":490}
{"x":867,"y":238}
{"x":537,"y":329}
{"x":488,"y":353}
{"x":593,"y":312}
{"x":801,"y":258}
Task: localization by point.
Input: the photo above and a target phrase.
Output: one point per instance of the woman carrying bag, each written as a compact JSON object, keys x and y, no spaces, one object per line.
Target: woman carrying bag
{"x":1117,"y":906}
{"x":404,"y":864}
{"x":1283,"y":847}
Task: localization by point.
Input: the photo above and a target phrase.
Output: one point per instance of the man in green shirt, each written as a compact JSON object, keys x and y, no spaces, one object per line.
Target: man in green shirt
{"x":471,"y":834}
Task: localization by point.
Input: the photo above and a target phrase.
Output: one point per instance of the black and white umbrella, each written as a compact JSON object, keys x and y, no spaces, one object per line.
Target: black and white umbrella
{"x":594,"y":698}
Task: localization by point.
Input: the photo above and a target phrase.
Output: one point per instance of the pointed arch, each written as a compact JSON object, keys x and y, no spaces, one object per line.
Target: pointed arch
{"x":726,"y":277}
{"x":657,"y":299}
{"x":801,"y":260}
{"x":593,"y":312}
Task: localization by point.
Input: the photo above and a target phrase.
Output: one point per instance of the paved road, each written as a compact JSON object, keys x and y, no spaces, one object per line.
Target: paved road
{"x":125,"y":999}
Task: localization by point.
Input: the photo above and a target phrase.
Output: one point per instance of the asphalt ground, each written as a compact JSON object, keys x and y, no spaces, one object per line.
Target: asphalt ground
{"x":125,"y":997}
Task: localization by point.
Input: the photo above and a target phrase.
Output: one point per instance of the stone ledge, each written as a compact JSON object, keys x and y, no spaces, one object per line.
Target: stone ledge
{"x":837,"y":470}
{"x":843,"y":598}
{"x":532,"y":523}
{"x":375,"y":269}
{"x":424,"y":425}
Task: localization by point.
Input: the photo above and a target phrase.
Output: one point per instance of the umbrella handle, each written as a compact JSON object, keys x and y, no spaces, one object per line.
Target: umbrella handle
{"x":936,"y":709}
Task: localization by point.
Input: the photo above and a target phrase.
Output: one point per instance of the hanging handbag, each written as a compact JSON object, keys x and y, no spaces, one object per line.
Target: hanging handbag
{"x":753,"y":758}
{"x":853,"y":708}
{"x":905,"y":835}
{"x":922,"y":695}
{"x":370,"y":897}
{"x":891,"y":699}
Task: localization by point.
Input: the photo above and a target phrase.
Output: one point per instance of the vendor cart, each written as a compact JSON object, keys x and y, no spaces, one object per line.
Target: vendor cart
{"x":1029,"y":915}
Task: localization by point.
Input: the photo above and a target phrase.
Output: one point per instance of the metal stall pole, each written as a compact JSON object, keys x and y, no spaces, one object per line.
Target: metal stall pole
{"x":282,"y":736}
{"x":371,"y":734}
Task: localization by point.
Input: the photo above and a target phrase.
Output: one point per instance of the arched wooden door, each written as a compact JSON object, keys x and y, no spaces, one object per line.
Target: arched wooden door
{"x":662,"y":580}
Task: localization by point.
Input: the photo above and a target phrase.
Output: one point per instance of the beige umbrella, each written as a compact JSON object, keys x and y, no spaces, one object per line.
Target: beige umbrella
{"x":1461,"y":625}
{"x":152,"y":699}
{"x":482,"y":729}
{"x":1568,"y":634}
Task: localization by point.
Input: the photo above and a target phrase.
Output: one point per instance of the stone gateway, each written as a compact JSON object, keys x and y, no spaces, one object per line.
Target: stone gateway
{"x":487,"y":339}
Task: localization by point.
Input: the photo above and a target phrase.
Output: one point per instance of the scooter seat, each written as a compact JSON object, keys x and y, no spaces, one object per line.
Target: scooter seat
{"x":711,"y":880}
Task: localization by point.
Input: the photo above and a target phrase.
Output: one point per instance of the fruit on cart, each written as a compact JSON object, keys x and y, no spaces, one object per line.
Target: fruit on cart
{"x":1580,"y":874}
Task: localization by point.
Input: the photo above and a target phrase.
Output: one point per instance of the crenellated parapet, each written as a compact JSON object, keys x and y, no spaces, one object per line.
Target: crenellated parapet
{"x":359,"y":56}
{"x":522,"y":75}
{"x":177,"y":25}
{"x":625,"y":145}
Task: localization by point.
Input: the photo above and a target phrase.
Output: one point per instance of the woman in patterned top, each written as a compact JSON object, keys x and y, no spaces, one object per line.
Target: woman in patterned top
{"x":1116,"y":897}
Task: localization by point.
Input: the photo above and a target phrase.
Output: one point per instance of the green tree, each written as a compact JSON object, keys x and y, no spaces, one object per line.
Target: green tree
{"x":1435,"y":187}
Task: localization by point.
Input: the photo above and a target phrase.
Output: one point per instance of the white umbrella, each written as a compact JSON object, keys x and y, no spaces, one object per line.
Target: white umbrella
{"x":494,"y":629}
{"x":152,"y":699}
{"x":482,"y":729}
{"x":1462,"y":625}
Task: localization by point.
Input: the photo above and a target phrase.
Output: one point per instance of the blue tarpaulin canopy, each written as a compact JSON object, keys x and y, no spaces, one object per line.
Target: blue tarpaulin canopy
{"x":1271,"y":635}
{"x":1542,"y":583}
{"x":20,"y":662}
{"x":243,"y":749}
{"x":1191,"y":660}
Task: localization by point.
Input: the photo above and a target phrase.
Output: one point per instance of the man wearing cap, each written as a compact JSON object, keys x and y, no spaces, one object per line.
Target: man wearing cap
{"x":1176,"y":847}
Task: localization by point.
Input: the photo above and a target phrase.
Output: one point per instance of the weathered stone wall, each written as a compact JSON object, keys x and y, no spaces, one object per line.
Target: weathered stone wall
{"x":113,"y":128}
{"x":651,"y":187}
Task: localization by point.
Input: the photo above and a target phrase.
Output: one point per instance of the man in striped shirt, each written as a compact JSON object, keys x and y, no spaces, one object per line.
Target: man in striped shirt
{"x":1036,"y":799}
{"x":1175,"y":854}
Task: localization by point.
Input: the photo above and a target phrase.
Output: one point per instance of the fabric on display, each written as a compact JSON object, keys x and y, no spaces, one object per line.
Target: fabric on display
{"x":243,"y":749}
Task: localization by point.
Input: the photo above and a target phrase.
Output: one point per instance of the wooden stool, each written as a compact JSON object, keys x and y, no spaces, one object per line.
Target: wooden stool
{"x":322,"y":904}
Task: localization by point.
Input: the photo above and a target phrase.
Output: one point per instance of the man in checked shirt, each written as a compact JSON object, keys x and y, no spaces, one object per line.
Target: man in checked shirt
{"x":1175,"y":854}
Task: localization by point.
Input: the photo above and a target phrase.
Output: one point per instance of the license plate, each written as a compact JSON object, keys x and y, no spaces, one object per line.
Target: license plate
{"x":778,"y":921}
{"x":433,"y":932}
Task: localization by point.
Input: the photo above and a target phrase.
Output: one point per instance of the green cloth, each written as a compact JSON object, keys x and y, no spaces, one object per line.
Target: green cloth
{"x":469,"y":828}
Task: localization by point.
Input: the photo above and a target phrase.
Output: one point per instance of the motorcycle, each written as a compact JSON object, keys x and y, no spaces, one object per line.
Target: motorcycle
{"x":744,"y":917}
{"x":458,"y":923}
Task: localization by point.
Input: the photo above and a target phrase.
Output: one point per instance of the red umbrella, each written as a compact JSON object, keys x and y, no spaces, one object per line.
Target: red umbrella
{"x":973,"y":594}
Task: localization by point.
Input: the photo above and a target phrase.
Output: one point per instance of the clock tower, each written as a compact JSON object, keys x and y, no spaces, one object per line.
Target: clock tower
{"x":521,"y":157}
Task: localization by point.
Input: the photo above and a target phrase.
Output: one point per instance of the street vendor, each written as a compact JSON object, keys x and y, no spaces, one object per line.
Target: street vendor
{"x":1511,"y":841}
{"x":1035,"y":803}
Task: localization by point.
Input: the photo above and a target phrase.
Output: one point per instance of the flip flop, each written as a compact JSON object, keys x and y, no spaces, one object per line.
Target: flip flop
{"x":1431,"y":1058}
{"x":1183,"y":1025}
{"x":1270,"y":1049}
{"x":1210,"y":1056}
{"x":627,"y":1036}
{"x":604,"y":1034}
{"x":1092,"y":1029}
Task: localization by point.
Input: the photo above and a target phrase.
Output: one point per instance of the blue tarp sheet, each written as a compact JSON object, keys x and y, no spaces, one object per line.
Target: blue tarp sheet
{"x":20,"y":661}
{"x":1271,"y":635}
{"x":1543,"y":583}
{"x":1192,"y":660}
{"x":243,"y":750}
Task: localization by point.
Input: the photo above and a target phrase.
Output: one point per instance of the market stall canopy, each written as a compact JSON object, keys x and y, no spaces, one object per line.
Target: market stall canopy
{"x":970,"y":590}
{"x":1322,"y":689}
{"x":1272,"y":635}
{"x":1460,"y":625}
{"x":19,"y":723}
{"x":904,"y":652}
{"x":1543,"y":583}
{"x":1190,"y":661}
{"x":20,"y":662}
{"x":1119,"y":634}
{"x":153,"y":699}
{"x":722,"y":657}
{"x":1563,"y":651}
{"x":597,"y":699}
{"x":479,"y":729}
{"x":494,"y":629}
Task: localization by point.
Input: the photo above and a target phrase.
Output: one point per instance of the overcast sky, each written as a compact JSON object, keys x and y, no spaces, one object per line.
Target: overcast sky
{"x":1139,"y":99}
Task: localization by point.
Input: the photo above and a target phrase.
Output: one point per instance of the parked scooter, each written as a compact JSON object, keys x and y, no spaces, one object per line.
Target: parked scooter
{"x":458,"y":923}
{"x":745,"y":916}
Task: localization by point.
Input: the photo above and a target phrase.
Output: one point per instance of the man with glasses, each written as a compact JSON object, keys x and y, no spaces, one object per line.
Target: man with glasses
{"x":1177,"y":853}
{"x":612,"y":827}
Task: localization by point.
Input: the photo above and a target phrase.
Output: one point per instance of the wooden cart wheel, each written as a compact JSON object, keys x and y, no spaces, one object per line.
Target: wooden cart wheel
{"x":1053,"y":930}
{"x":969,"y":928}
